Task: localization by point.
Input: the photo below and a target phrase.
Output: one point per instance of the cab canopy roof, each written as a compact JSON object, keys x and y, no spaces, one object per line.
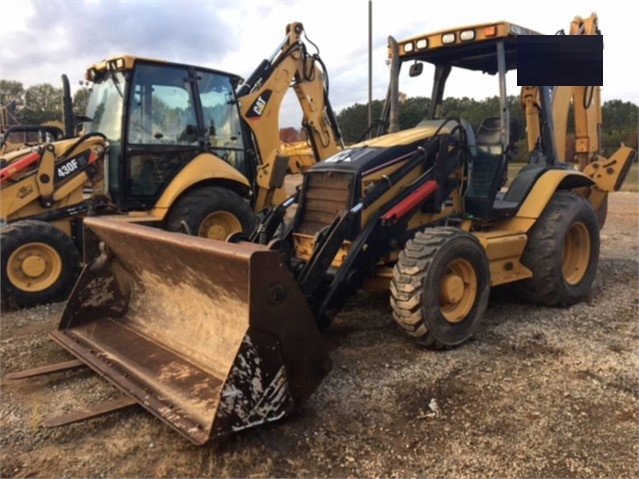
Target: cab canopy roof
{"x":125,"y":62}
{"x":472,"y":47}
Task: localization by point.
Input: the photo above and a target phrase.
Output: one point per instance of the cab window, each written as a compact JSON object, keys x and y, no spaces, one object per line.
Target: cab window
{"x":221,"y":118}
{"x":161,"y":107}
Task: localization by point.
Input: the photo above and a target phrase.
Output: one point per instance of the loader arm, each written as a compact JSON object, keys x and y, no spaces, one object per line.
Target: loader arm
{"x":261,"y":97}
{"x":49,"y":174}
{"x":387,"y":225}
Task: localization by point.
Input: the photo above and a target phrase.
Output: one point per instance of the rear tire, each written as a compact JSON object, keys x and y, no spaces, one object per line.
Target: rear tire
{"x":211,"y":212}
{"x":40,"y":264}
{"x":562,"y":252}
{"x":440,"y":287}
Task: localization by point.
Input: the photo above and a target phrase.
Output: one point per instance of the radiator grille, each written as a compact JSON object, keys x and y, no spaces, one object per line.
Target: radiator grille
{"x":327,"y":195}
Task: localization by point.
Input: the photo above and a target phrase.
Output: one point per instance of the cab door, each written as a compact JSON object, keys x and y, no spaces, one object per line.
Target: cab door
{"x":224,"y":135}
{"x":161,"y":131}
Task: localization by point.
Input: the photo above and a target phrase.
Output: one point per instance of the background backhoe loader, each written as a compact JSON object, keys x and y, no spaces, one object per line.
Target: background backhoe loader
{"x":214,"y":337}
{"x":177,"y":146}
{"x":14,"y":136}
{"x":301,"y":155}
{"x":18,"y":137}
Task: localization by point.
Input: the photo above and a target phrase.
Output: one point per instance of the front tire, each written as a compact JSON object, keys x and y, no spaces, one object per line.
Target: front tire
{"x":562,"y":252}
{"x":440,"y":287}
{"x":40,"y":264}
{"x":211,"y":212}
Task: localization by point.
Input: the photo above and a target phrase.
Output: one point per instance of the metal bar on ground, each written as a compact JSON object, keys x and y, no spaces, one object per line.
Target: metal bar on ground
{"x":89,"y":412}
{"x":48,"y":369}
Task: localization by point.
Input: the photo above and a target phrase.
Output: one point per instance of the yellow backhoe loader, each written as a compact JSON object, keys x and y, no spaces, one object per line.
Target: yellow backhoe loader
{"x":18,"y":137}
{"x":15,"y":136}
{"x":180,"y":147}
{"x":300,"y":154}
{"x":214,"y":337}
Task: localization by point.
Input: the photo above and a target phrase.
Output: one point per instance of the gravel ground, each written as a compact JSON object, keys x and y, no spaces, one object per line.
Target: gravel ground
{"x":539,"y":392}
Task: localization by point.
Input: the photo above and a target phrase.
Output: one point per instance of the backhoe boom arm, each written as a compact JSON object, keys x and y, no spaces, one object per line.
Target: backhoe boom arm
{"x":261,"y":98}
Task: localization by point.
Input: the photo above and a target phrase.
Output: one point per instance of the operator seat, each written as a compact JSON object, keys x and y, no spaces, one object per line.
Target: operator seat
{"x":488,"y":169}
{"x":471,"y":139}
{"x":488,"y":136}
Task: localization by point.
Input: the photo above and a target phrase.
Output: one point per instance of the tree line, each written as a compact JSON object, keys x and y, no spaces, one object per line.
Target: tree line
{"x":620,"y":119}
{"x":40,"y":103}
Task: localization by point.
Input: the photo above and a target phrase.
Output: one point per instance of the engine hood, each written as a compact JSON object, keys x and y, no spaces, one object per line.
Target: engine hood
{"x":371,"y":155}
{"x":421,"y":132}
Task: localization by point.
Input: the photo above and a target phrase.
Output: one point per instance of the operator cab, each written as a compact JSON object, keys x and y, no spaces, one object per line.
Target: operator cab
{"x":489,"y":49}
{"x":157,"y":117}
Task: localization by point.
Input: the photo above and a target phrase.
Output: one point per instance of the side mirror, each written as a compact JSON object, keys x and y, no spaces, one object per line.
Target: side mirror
{"x":416,"y":69}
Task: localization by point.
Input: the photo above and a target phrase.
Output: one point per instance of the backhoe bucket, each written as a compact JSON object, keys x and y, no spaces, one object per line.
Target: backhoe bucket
{"x":210,"y":337}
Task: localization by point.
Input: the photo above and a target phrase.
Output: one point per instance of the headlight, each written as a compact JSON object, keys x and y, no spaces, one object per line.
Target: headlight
{"x":448,"y":38}
{"x":467,"y":35}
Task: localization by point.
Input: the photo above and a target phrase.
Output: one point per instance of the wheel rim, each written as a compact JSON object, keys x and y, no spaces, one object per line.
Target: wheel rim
{"x":219,"y":225}
{"x":457,"y":291}
{"x":34,"y":267}
{"x":576,"y":255}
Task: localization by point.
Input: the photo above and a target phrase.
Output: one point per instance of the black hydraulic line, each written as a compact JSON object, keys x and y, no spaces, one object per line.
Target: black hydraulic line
{"x":59,"y":214}
{"x":381,"y":126}
{"x":586,"y":103}
{"x":332,"y":118}
{"x":311,"y":42}
{"x":265,"y":68}
{"x":79,"y":142}
{"x":261,"y":71}
{"x":267,"y":227}
{"x":388,"y":181}
{"x":362,"y":254}
{"x":331,"y":239}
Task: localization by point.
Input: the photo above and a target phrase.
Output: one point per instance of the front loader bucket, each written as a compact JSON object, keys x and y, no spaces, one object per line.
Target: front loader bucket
{"x":210,"y":337}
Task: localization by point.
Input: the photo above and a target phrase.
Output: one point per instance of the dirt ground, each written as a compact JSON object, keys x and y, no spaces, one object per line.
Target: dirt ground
{"x":538,"y":392}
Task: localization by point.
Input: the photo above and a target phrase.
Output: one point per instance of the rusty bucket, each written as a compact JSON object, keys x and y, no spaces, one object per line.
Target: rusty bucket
{"x":210,"y":337}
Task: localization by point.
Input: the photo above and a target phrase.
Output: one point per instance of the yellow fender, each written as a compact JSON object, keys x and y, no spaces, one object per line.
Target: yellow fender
{"x":204,"y":167}
{"x":541,"y":193}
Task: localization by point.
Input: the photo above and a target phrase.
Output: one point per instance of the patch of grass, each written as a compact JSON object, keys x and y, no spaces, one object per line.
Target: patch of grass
{"x":631,"y":183}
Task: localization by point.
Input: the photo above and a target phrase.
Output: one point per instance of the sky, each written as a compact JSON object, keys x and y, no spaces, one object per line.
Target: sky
{"x":41,"y":40}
